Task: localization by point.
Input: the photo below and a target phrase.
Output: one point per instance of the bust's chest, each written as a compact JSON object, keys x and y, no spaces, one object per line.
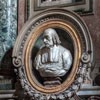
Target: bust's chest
{"x":52,"y":55}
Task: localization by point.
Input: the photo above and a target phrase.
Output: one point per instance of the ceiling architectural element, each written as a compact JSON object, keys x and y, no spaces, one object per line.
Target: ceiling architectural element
{"x":36,"y":59}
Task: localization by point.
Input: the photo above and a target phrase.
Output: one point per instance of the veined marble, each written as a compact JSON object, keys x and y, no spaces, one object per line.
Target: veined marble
{"x":8,"y":25}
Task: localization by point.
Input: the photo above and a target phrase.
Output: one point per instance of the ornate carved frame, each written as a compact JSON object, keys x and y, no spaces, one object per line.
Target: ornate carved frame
{"x":83,"y":53}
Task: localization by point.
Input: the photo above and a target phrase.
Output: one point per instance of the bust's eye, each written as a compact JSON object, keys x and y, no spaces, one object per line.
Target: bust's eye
{"x":46,"y":37}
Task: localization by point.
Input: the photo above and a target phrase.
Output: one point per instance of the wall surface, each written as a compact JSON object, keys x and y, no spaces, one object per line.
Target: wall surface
{"x":93,"y":23}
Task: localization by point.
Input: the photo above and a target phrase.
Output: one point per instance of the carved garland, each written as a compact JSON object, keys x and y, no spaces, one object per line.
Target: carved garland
{"x":80,"y":77}
{"x":82,"y":70}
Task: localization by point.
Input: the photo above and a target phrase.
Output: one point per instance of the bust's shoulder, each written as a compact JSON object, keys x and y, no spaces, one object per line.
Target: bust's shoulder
{"x":40,"y":50}
{"x":63,"y":49}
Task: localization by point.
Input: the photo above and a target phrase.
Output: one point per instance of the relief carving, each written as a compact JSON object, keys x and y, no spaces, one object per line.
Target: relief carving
{"x":52,"y":56}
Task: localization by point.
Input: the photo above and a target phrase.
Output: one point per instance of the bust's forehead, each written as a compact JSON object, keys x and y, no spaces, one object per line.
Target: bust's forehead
{"x":46,"y":35}
{"x":49,"y":31}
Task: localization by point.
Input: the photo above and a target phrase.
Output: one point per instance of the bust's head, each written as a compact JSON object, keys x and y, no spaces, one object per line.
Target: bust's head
{"x":51,"y":37}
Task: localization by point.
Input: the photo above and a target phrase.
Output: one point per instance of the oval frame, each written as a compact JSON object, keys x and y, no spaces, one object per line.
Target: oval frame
{"x":83,"y":55}
{"x":28,"y":55}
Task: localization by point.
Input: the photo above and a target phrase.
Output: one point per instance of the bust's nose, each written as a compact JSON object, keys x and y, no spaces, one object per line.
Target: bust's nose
{"x":44,"y":40}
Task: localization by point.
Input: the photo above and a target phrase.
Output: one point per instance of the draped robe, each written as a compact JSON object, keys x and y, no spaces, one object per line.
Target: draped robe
{"x":53,"y":62}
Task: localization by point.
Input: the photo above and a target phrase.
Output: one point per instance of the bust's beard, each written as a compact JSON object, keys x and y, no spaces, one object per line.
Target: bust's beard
{"x":50,"y":55}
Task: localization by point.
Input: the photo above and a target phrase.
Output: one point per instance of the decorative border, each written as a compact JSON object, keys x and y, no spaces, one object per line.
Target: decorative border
{"x":55,"y":22}
{"x":39,"y":5}
{"x":85,"y":60}
{"x":83,"y":7}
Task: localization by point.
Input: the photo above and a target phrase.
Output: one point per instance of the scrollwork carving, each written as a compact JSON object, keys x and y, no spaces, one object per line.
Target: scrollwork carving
{"x":85,"y":57}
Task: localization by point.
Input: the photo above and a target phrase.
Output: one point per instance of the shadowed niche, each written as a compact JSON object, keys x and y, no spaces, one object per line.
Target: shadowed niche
{"x":67,"y":43}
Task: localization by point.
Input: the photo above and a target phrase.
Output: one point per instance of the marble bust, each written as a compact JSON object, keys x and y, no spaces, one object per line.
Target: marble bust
{"x":52,"y":60}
